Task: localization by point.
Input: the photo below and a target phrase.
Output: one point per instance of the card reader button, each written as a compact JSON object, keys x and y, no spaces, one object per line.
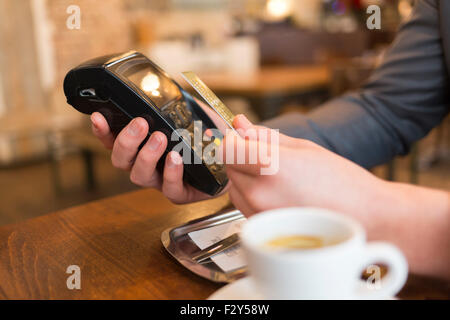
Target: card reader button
{"x":173,"y":115}
{"x":178,"y":113}
{"x":183,"y":114}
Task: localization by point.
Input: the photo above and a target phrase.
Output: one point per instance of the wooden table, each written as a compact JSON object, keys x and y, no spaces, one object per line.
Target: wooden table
{"x":116,"y":243}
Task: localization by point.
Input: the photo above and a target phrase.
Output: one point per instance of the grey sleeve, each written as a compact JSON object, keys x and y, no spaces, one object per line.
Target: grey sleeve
{"x":403,"y":100}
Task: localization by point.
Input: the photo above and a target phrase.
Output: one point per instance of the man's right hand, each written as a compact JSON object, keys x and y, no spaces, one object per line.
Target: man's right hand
{"x":142,"y":163}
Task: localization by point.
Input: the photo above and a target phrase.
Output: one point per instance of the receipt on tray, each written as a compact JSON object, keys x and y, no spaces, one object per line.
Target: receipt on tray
{"x":230,"y":259}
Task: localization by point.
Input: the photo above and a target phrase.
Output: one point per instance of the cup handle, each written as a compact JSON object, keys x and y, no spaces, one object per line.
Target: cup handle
{"x":393,"y":281}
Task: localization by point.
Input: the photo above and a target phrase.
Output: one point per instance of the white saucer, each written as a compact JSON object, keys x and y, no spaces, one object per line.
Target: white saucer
{"x":242,"y":289}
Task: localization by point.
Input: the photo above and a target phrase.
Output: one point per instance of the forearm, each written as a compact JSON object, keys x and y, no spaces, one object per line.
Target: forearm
{"x":417,"y":220}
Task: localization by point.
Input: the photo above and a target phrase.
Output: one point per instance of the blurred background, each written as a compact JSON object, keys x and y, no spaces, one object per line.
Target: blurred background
{"x":262,"y":57}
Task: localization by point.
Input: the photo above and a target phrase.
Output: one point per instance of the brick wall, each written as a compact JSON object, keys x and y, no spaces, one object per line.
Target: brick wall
{"x":105,"y":28}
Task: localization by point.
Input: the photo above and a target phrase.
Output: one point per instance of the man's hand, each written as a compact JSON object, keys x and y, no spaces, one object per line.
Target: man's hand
{"x":142,"y":164}
{"x":308,"y":175}
{"x":414,"y":218}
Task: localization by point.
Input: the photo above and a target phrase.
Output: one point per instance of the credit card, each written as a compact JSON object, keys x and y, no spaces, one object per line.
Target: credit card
{"x":213,"y":101}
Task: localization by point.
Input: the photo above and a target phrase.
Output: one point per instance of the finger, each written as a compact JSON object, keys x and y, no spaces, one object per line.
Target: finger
{"x":264,"y":134}
{"x":247,"y":130}
{"x":240,"y":154}
{"x":101,"y":130}
{"x":240,"y":180}
{"x":173,"y":186}
{"x":239,"y":202}
{"x":247,"y":185}
{"x":254,"y":193}
{"x":127,"y":143}
{"x":258,"y":133}
{"x":144,"y":171}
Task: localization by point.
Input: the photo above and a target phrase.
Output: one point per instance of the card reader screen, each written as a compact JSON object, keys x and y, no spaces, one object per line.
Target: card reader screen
{"x":159,"y":88}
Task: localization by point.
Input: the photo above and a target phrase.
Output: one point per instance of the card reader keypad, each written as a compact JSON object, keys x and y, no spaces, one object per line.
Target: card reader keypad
{"x":182,"y":119}
{"x":179,"y":114}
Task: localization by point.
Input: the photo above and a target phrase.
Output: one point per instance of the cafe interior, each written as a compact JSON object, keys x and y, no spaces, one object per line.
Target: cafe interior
{"x":262,"y":58}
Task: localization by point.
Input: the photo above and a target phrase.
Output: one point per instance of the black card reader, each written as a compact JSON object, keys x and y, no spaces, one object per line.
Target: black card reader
{"x":128,"y":85}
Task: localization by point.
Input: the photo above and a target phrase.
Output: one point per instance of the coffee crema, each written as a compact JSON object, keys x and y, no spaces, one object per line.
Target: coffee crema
{"x":292,"y":242}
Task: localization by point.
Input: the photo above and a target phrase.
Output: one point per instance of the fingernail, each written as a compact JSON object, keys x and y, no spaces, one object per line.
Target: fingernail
{"x":133,"y":128}
{"x":174,"y":159}
{"x":154,"y":142}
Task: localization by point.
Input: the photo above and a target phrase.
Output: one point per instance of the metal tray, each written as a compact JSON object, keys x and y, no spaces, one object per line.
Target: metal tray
{"x":178,"y":243}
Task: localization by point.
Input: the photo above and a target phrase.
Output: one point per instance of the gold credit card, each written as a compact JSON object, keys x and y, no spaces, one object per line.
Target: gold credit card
{"x":206,"y":93}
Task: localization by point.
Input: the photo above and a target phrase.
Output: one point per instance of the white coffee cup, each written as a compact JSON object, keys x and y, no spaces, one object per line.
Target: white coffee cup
{"x":329,"y":272}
